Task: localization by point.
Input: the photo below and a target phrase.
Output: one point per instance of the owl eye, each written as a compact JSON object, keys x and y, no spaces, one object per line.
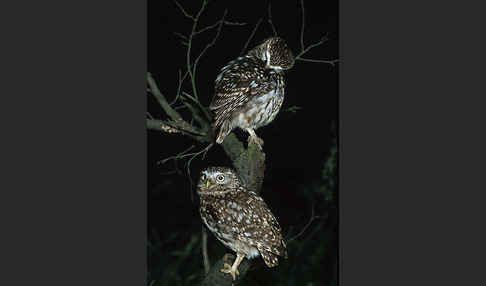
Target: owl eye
{"x":220,"y":178}
{"x":203,"y":177}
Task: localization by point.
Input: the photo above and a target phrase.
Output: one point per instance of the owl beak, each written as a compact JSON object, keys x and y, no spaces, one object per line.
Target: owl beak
{"x":208,"y":183}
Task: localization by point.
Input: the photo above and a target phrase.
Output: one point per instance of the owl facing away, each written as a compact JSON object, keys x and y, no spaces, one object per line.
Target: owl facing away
{"x":249,"y":90}
{"x":239,"y":218}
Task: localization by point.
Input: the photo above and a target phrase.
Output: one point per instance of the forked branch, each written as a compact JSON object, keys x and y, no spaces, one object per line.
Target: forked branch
{"x":304,"y":50}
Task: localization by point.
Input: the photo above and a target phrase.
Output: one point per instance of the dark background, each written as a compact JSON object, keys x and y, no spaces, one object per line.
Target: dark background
{"x":297,"y":144}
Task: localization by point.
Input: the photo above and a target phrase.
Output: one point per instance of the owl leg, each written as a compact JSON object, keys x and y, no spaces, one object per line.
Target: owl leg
{"x":233,"y":270}
{"x":254,"y":138}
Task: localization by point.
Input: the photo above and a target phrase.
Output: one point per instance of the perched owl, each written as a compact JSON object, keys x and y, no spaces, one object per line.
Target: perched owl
{"x":239,"y":218}
{"x":249,"y":91}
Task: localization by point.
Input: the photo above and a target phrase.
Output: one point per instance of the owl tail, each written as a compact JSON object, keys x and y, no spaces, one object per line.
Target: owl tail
{"x":271,"y":259}
{"x":224,"y":130}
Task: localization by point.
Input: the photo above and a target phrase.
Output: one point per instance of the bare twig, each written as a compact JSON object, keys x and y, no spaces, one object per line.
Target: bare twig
{"x":192,"y":68}
{"x":251,"y":36}
{"x":331,"y":62}
{"x":208,"y":28}
{"x":303,"y":49}
{"x":270,"y":21}
{"x":181,"y":36}
{"x":320,"y":42}
{"x":203,"y":152}
{"x":312,"y":218}
{"x":221,"y":22}
{"x":181,"y":81}
{"x":302,"y":46}
{"x":189,"y":45}
{"x":177,"y":124}
{"x":234,"y":23}
{"x":154,"y":89}
{"x":204,"y":123}
{"x":195,"y":115}
{"x":178,"y":156}
{"x":188,"y":166}
{"x":293,"y":109}
{"x":218,"y":23}
{"x":180,"y":107}
{"x":184,"y":11}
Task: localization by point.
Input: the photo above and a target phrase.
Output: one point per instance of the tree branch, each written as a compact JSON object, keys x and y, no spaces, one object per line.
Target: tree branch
{"x":270,"y":21}
{"x":331,"y":62}
{"x":304,"y":50}
{"x":154,"y":89}
{"x":184,"y":11}
{"x":251,"y":36}
{"x":302,"y":46}
{"x":311,"y":219}
{"x":173,"y":127}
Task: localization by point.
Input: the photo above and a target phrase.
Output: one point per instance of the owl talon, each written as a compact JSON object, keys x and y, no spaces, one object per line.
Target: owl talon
{"x":228,"y":269}
{"x":256,"y":140}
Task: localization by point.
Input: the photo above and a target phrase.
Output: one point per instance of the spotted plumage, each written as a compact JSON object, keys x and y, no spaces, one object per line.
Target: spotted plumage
{"x":239,"y":218}
{"x":249,"y":90}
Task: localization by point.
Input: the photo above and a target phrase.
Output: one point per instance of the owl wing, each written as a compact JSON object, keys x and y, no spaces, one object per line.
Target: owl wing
{"x":275,"y":244}
{"x":238,"y":83}
{"x":263,"y":230}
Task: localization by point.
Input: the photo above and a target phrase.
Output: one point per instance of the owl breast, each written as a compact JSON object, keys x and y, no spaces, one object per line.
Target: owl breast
{"x":229,"y":240}
{"x":261,"y":110}
{"x":225,"y":220}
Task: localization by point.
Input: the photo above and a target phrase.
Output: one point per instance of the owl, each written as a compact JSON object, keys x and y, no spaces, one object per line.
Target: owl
{"x":239,"y":218}
{"x":249,"y":91}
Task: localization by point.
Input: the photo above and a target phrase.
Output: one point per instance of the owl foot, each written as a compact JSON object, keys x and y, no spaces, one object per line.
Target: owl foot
{"x":233,"y":270}
{"x":228,"y":269}
{"x":253,"y":138}
{"x":256,"y":140}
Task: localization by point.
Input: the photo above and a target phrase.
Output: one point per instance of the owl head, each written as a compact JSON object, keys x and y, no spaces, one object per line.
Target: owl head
{"x":275,"y":53}
{"x":216,"y":181}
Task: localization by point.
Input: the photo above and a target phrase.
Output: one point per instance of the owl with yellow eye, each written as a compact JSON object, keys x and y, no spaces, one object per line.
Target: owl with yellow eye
{"x":239,"y":218}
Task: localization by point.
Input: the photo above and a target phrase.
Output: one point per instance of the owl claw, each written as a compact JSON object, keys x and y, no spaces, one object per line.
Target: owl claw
{"x":228,"y":269}
{"x":256,"y":140}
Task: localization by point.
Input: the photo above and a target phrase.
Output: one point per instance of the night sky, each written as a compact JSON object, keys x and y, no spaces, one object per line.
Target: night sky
{"x":296,"y":144}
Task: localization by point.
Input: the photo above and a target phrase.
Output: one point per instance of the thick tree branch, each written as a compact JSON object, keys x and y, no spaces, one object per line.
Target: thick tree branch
{"x":154,"y":89}
{"x":175,"y":127}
